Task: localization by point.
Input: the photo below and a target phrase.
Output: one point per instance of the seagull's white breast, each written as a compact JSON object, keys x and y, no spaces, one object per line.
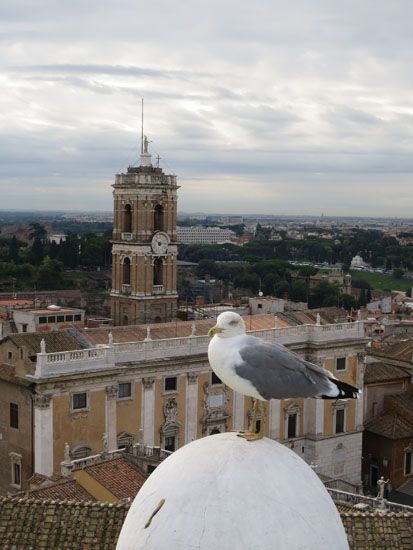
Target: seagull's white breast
{"x":223,"y":355}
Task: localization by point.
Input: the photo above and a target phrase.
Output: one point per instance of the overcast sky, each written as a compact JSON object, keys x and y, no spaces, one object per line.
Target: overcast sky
{"x":264,"y":106}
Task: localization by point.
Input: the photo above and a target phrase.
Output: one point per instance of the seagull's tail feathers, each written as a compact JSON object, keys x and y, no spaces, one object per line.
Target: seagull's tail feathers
{"x":341,"y":390}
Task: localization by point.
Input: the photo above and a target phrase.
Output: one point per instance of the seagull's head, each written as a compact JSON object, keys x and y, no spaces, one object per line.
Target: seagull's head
{"x":228,"y":324}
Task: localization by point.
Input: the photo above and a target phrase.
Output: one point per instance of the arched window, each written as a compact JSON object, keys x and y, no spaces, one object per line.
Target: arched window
{"x":158,"y":218}
{"x":127,"y":219}
{"x":158,"y":272}
{"x":80,"y":451}
{"x":126,"y":272}
{"x":214,"y":431}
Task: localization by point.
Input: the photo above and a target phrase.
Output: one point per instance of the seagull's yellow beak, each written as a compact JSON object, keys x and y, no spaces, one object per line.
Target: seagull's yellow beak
{"x":215,"y":330}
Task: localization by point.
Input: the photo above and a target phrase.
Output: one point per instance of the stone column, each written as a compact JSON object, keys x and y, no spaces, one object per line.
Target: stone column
{"x":191,"y":407}
{"x":43,"y":434}
{"x":238,"y":413}
{"x":110,"y":417}
{"x":314,"y":416}
{"x":274,"y":419}
{"x":148,"y":411}
{"x":361,"y":358}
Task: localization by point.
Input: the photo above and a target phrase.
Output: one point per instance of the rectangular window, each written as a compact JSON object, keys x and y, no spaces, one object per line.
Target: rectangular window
{"x":79,"y":401}
{"x":215,"y":379}
{"x":257,"y":426}
{"x":407,"y":463}
{"x":42,"y":320}
{"x":124,"y":390}
{"x":9,"y":355}
{"x":170,"y":443}
{"x":170,"y":383}
{"x":69,"y":318}
{"x":78,"y":317}
{"x":60,"y":318}
{"x":292,"y":426}
{"x":339,"y":428}
{"x":16,"y":473}
{"x":51,"y":319}
{"x":341,"y":363}
{"x":259,"y":306}
{"x":24,"y":327}
{"x":14,"y":415}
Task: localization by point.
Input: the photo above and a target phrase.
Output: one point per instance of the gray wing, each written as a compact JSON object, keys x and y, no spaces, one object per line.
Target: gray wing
{"x":277,"y":373}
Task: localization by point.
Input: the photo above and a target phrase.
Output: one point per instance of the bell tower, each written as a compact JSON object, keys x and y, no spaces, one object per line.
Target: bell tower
{"x":144,"y":247}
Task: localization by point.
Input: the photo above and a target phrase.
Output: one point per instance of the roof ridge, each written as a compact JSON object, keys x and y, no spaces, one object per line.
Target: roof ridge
{"x":74,"y":503}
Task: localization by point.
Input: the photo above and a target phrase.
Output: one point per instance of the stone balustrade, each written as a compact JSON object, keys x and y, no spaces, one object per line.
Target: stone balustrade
{"x":107,"y":356}
{"x":351,"y":499}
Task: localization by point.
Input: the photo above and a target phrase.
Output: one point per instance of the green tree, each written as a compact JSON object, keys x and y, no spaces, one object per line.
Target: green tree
{"x":50,"y":274}
{"x":362,"y":301}
{"x":14,"y":250}
{"x":299,"y":291}
{"x":37,"y":252}
{"x":324,"y":294}
{"x":37,"y":231}
{"x":347,"y":301}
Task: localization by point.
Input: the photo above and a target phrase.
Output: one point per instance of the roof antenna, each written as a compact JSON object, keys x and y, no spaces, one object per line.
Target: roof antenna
{"x":142,"y":130}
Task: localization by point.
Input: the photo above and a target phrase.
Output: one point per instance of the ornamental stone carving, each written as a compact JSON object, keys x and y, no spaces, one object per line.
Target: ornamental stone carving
{"x":111,"y":392}
{"x":192,"y":377}
{"x":361,"y":356}
{"x":171,"y":426}
{"x":170,"y":410}
{"x":215,"y":407}
{"x":41,"y":401}
{"x":148,"y":383}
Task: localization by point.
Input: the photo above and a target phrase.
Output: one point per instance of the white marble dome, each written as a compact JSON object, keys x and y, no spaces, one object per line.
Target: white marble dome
{"x":225,"y":493}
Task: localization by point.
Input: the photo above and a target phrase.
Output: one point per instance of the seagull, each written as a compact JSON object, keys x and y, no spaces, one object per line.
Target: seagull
{"x":265,"y":371}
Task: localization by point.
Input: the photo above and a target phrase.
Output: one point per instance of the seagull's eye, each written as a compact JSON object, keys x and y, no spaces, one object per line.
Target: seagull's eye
{"x":234,"y":322}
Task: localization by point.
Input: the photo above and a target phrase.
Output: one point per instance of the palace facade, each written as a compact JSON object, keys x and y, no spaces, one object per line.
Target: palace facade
{"x":159,"y":390}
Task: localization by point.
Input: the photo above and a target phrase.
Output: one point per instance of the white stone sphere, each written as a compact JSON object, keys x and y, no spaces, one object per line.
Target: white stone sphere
{"x":225,"y":493}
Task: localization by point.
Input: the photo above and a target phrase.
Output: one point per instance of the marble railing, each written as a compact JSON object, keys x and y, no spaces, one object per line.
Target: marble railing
{"x":107,"y":356}
{"x":352,"y":499}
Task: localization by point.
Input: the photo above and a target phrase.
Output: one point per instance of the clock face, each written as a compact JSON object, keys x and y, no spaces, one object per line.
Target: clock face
{"x":160,"y":242}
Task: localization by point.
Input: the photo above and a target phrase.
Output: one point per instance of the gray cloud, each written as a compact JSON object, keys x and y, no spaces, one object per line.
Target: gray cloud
{"x":261,"y":106}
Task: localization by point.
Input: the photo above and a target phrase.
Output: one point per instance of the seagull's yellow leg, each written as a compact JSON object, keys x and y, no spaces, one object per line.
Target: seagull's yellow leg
{"x":251,"y":435}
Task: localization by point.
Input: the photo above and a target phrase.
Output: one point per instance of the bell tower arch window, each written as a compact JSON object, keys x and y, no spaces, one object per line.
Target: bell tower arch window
{"x":126,"y":272}
{"x":158,"y":221}
{"x":127,"y":219}
{"x":158,"y":272}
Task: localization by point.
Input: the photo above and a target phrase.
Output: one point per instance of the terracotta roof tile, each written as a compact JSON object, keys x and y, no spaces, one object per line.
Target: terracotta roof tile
{"x":390,"y":425}
{"x":381,"y":372}
{"x":402,"y":351}
{"x":179,"y":329}
{"x":401,"y":403}
{"x":119,"y":476}
{"x":55,"y":341}
{"x":369,"y":531}
{"x":46,"y":525}
{"x":134,"y":333}
{"x":68,"y":489}
{"x":79,"y":525}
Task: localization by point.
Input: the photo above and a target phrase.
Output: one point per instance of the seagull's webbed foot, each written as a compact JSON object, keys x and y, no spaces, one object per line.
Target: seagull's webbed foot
{"x":250,"y":436}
